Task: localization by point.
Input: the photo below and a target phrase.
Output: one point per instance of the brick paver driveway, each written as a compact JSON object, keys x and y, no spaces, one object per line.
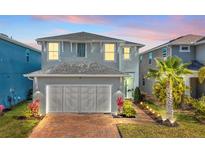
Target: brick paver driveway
{"x":76,"y":125}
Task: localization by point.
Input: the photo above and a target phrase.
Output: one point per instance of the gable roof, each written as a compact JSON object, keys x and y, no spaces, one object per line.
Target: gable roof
{"x":189,"y":39}
{"x":6,"y":38}
{"x":77,"y":68}
{"x":84,"y":36}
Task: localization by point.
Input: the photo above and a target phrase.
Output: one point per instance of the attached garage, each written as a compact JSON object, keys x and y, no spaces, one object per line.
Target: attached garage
{"x":77,"y":87}
{"x":78,"y":98}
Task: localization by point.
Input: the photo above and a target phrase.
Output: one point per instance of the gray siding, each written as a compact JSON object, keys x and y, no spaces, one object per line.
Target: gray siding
{"x":95,"y":52}
{"x":42,"y":82}
{"x":200,"y":53}
{"x":145,"y":66}
{"x":185,"y":56}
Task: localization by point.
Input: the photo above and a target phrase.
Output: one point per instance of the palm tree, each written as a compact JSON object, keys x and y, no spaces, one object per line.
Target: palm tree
{"x":201,"y":74}
{"x":170,"y":71}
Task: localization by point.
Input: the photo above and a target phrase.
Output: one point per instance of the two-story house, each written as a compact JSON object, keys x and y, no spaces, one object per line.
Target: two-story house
{"x":82,"y":72}
{"x":16,"y":59}
{"x":190,"y":48}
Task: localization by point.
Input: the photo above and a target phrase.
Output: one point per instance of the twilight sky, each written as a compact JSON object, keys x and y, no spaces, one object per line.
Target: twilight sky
{"x":148,"y":30}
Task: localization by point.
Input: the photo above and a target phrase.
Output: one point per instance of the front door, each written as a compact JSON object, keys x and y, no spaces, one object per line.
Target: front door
{"x":129,"y":87}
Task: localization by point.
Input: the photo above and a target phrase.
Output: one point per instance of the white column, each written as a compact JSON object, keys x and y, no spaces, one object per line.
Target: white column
{"x":35,"y":84}
{"x":187,"y":83}
{"x":71,"y":47}
{"x":136,"y":82}
{"x":62,"y":46}
{"x":120,"y":57}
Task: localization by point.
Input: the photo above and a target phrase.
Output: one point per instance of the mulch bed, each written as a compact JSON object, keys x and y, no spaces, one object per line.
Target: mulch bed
{"x":122,"y":116}
{"x":28,"y":118}
{"x":157,"y":117}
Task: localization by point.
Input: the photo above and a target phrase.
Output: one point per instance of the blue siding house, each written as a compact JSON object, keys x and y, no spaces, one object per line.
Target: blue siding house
{"x":16,"y":59}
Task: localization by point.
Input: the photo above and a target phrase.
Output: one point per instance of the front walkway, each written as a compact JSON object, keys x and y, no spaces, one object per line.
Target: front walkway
{"x":84,"y":125}
{"x":141,"y":118}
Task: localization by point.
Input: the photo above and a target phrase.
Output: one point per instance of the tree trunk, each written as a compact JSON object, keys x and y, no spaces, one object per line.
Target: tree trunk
{"x":169,"y":101}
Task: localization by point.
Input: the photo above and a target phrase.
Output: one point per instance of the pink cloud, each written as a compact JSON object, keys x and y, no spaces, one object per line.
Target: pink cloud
{"x":158,"y":33}
{"x":73,"y":19}
{"x":31,"y":43}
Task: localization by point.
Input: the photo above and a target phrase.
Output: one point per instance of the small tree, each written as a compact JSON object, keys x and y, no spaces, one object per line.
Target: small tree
{"x":169,"y":71}
{"x":201,"y":74}
{"x":137,"y":95}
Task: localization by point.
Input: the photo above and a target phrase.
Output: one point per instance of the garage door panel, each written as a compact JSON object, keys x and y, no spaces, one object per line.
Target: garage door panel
{"x":88,"y":99}
{"x":71,"y":99}
{"x":55,"y":99}
{"x":79,"y":98}
{"x":103,"y":99}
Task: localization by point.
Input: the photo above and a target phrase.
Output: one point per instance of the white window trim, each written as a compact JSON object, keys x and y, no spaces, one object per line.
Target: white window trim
{"x":114,"y":52}
{"x":129,"y":53}
{"x":86,"y":55}
{"x":48,"y":52}
{"x":184,"y":50}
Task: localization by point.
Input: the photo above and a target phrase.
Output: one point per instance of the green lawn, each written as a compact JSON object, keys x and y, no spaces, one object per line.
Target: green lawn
{"x":188,"y":127}
{"x":11,"y":127}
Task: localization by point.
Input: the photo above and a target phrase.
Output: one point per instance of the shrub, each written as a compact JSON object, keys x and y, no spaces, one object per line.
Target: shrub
{"x":197,"y":104}
{"x":120,"y":103}
{"x":137,"y":95}
{"x":128,"y":109}
{"x":1,"y":108}
{"x":159,"y":91}
{"x":34,"y":107}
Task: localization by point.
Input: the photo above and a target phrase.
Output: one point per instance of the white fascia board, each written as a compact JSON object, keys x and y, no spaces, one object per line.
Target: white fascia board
{"x":68,"y":40}
{"x":201,"y":42}
{"x":76,"y":75}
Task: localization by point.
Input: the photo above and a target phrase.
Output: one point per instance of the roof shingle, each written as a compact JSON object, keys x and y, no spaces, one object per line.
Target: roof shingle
{"x":78,"y":67}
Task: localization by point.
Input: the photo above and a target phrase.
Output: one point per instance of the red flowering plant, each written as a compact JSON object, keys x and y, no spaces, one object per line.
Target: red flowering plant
{"x":120,"y":103}
{"x":34,"y":107}
{"x":1,"y":109}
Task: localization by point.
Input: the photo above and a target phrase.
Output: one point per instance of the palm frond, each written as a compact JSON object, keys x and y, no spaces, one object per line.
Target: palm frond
{"x":201,"y":74}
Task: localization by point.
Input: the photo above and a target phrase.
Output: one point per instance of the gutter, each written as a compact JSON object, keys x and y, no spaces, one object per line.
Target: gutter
{"x":75,"y":75}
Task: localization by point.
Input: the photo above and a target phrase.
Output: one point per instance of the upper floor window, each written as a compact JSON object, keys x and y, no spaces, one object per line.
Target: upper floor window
{"x":150,"y":57}
{"x":81,"y":49}
{"x":53,"y":51}
{"x":126,"y":53}
{"x":164,"y":52}
{"x":141,"y":57}
{"x":110,"y":52}
{"x":184,"y":48}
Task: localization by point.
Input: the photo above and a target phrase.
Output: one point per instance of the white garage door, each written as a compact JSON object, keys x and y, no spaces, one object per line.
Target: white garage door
{"x":79,"y":98}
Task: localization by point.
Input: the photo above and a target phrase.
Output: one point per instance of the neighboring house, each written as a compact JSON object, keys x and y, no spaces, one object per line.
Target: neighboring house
{"x":81,"y":72}
{"x":190,"y":48}
{"x":16,"y":59}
